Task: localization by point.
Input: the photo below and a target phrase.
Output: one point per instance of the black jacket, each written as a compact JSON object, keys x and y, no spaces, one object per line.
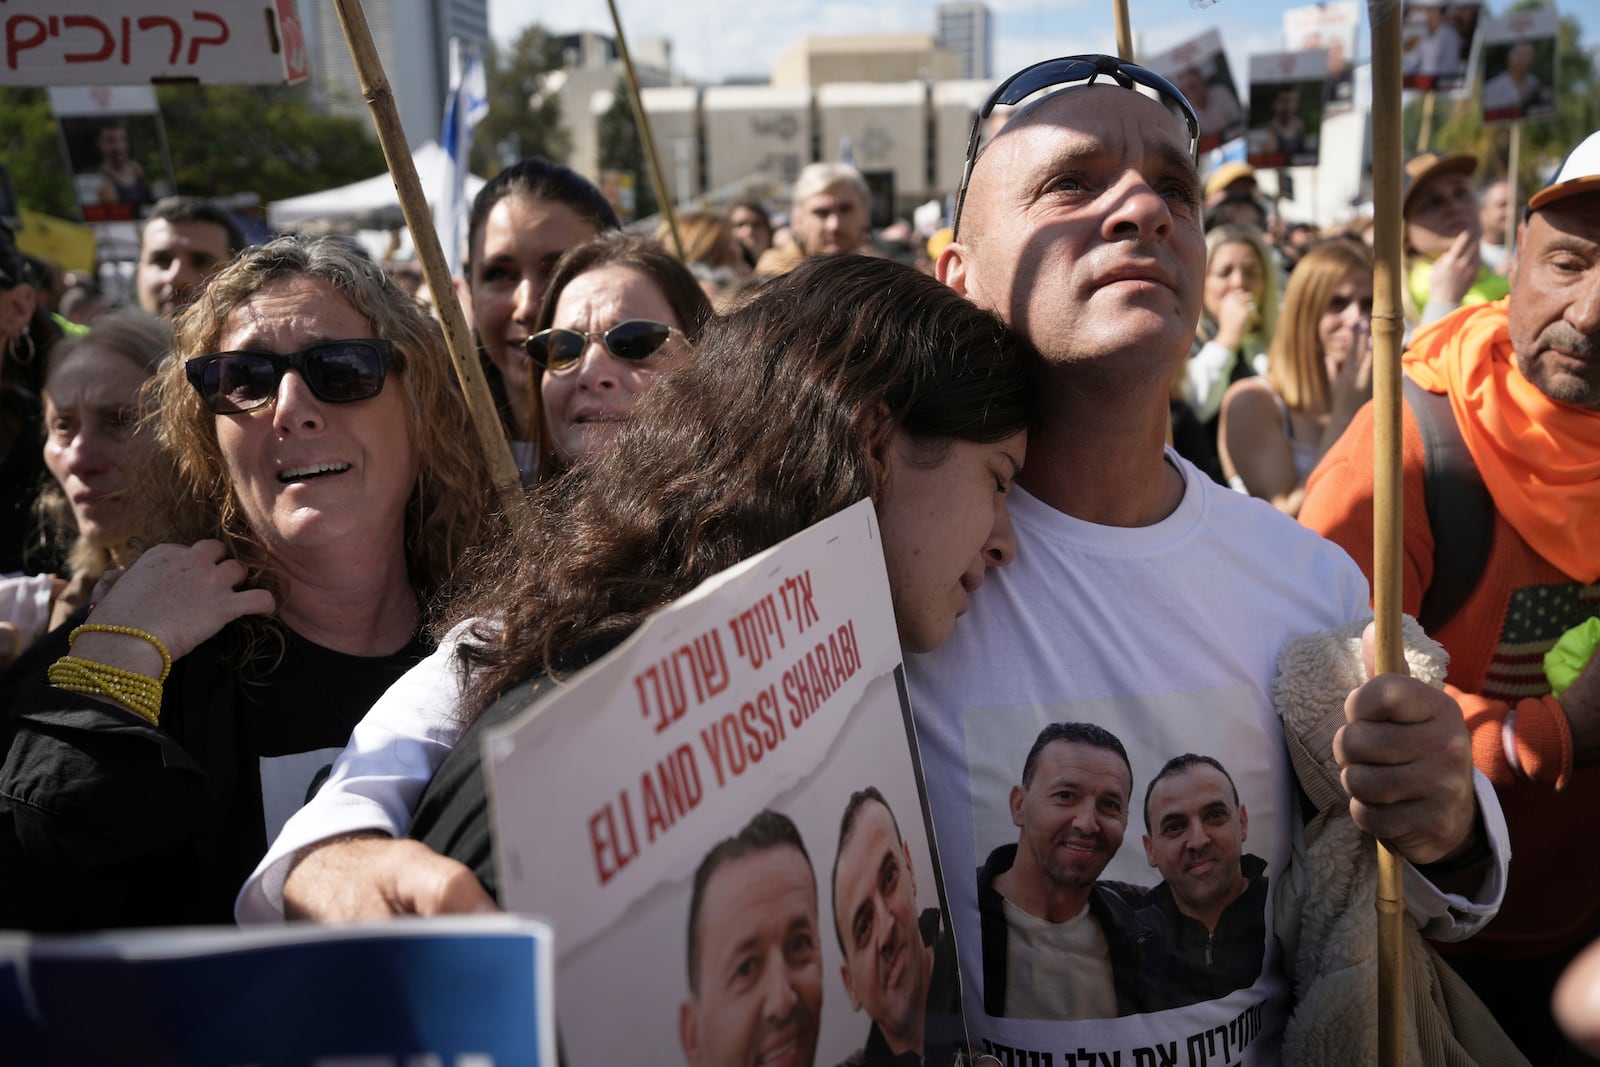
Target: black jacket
{"x":1187,"y":963}
{"x":1111,"y":903}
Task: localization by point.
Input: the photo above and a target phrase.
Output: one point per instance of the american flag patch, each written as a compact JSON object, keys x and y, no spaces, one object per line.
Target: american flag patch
{"x":1536,"y":616}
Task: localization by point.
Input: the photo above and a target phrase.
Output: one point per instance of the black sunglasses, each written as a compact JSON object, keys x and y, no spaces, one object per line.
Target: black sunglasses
{"x":1065,"y":71}
{"x":635,"y":340}
{"x":337,"y":372}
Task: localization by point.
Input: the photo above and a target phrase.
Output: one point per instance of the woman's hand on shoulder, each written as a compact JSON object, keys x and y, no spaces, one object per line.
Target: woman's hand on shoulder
{"x":180,"y":594}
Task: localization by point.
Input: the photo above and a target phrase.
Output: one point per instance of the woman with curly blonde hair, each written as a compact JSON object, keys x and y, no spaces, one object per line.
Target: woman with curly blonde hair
{"x":325,"y":487}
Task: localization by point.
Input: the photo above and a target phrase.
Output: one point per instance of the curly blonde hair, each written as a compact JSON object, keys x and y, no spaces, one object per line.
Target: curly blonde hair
{"x":452,"y":504}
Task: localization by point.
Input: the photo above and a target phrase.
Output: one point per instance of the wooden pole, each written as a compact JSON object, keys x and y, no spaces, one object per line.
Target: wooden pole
{"x":414,"y":205}
{"x":1119,"y":11}
{"x":668,"y":212}
{"x":1388,"y":330}
{"x":1425,"y":134}
{"x":1513,"y":185}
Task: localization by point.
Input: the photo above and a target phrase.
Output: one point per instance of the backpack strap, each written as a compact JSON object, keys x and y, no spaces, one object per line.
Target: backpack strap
{"x":1460,"y":510}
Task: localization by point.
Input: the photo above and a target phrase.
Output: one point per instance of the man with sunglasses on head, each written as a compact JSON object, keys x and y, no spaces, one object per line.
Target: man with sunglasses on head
{"x":1142,"y":591}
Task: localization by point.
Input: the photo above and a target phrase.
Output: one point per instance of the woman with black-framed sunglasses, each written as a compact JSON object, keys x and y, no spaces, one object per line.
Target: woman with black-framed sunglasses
{"x":324,"y":484}
{"x":616,"y":312}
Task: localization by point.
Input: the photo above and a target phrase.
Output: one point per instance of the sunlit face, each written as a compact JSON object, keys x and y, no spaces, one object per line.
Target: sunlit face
{"x":509,"y":263}
{"x":1345,"y":325}
{"x":91,"y":403}
{"x":885,"y":965}
{"x":585,"y":405}
{"x":760,"y":980}
{"x":1555,"y":301}
{"x":1234,"y":266}
{"x":1074,"y":812}
{"x":1441,"y":210}
{"x":309,"y":474}
{"x":175,"y":259}
{"x":1082,"y":230}
{"x":1197,"y":834}
{"x":944,"y":522}
{"x":834,"y":220}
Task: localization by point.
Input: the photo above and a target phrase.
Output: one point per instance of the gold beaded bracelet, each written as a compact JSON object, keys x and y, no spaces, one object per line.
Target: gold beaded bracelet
{"x":128,"y":631}
{"x":139,"y":692}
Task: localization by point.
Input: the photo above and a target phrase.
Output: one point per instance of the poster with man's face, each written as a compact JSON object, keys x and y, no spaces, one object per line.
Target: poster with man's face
{"x":1436,"y":45}
{"x":1519,"y":66}
{"x":1332,"y":28}
{"x":112,"y":139}
{"x":1286,"y":108}
{"x":1199,"y":68}
{"x":723,"y":824}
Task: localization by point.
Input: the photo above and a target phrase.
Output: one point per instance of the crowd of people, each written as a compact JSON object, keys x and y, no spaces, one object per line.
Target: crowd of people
{"x":263,"y":594}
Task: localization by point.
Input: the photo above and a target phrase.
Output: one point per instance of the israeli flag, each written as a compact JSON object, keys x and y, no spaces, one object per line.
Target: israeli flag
{"x":464,"y":107}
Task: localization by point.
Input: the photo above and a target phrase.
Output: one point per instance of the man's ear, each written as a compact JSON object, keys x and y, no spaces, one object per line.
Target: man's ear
{"x":911,"y":872}
{"x":1244,"y":823}
{"x":1149,"y":853}
{"x":689,"y":1030}
{"x":849,"y":987}
{"x":951,"y":268}
{"x":1016,"y":805}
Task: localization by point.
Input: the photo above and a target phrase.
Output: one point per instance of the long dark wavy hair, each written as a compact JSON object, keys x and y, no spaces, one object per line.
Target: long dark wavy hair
{"x":761,"y":433}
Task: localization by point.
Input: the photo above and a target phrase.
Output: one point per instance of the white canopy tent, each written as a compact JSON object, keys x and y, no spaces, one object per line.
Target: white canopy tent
{"x":371,"y":204}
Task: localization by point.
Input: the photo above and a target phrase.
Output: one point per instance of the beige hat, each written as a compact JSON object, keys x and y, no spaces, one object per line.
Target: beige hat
{"x":1226,"y":175}
{"x":1426,"y":165}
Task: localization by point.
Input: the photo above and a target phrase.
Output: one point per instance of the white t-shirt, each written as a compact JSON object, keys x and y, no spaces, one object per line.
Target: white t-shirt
{"x":1167,"y":636}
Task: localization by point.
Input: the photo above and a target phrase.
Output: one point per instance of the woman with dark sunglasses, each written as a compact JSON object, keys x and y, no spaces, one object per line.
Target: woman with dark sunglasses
{"x":325,"y":485}
{"x":618,"y":311}
{"x":849,"y":377}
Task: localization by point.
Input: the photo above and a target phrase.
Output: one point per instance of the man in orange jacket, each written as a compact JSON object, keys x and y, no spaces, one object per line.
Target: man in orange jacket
{"x":1522,"y":376}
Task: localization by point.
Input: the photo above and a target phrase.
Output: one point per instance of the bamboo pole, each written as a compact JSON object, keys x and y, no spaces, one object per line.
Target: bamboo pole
{"x":1119,"y":10}
{"x":663,"y":197}
{"x":414,"y":205}
{"x":1388,"y":329}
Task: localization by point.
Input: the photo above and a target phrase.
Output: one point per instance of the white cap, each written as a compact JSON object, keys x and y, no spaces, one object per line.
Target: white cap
{"x":1579,"y":173}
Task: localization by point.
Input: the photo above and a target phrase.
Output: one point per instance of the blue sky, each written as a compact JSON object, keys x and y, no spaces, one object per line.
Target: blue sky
{"x":713,"y":39}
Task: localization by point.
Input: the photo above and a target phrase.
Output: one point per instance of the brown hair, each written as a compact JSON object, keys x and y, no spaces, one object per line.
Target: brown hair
{"x":1295,"y":364}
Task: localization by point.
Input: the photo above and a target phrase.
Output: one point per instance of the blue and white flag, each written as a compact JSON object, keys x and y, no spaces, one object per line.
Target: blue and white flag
{"x":464,"y":107}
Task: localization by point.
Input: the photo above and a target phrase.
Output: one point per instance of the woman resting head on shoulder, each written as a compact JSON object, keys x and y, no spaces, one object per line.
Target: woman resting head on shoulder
{"x":325,"y":484}
{"x":618,"y":310}
{"x":850,"y":377}
{"x":1319,"y":373}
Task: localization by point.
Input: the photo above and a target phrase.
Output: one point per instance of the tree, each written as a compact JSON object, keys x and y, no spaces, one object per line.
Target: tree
{"x":265,"y":139}
{"x":31,"y":147}
{"x":524,"y":116}
{"x":1545,"y":142}
{"x":621,"y":149}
